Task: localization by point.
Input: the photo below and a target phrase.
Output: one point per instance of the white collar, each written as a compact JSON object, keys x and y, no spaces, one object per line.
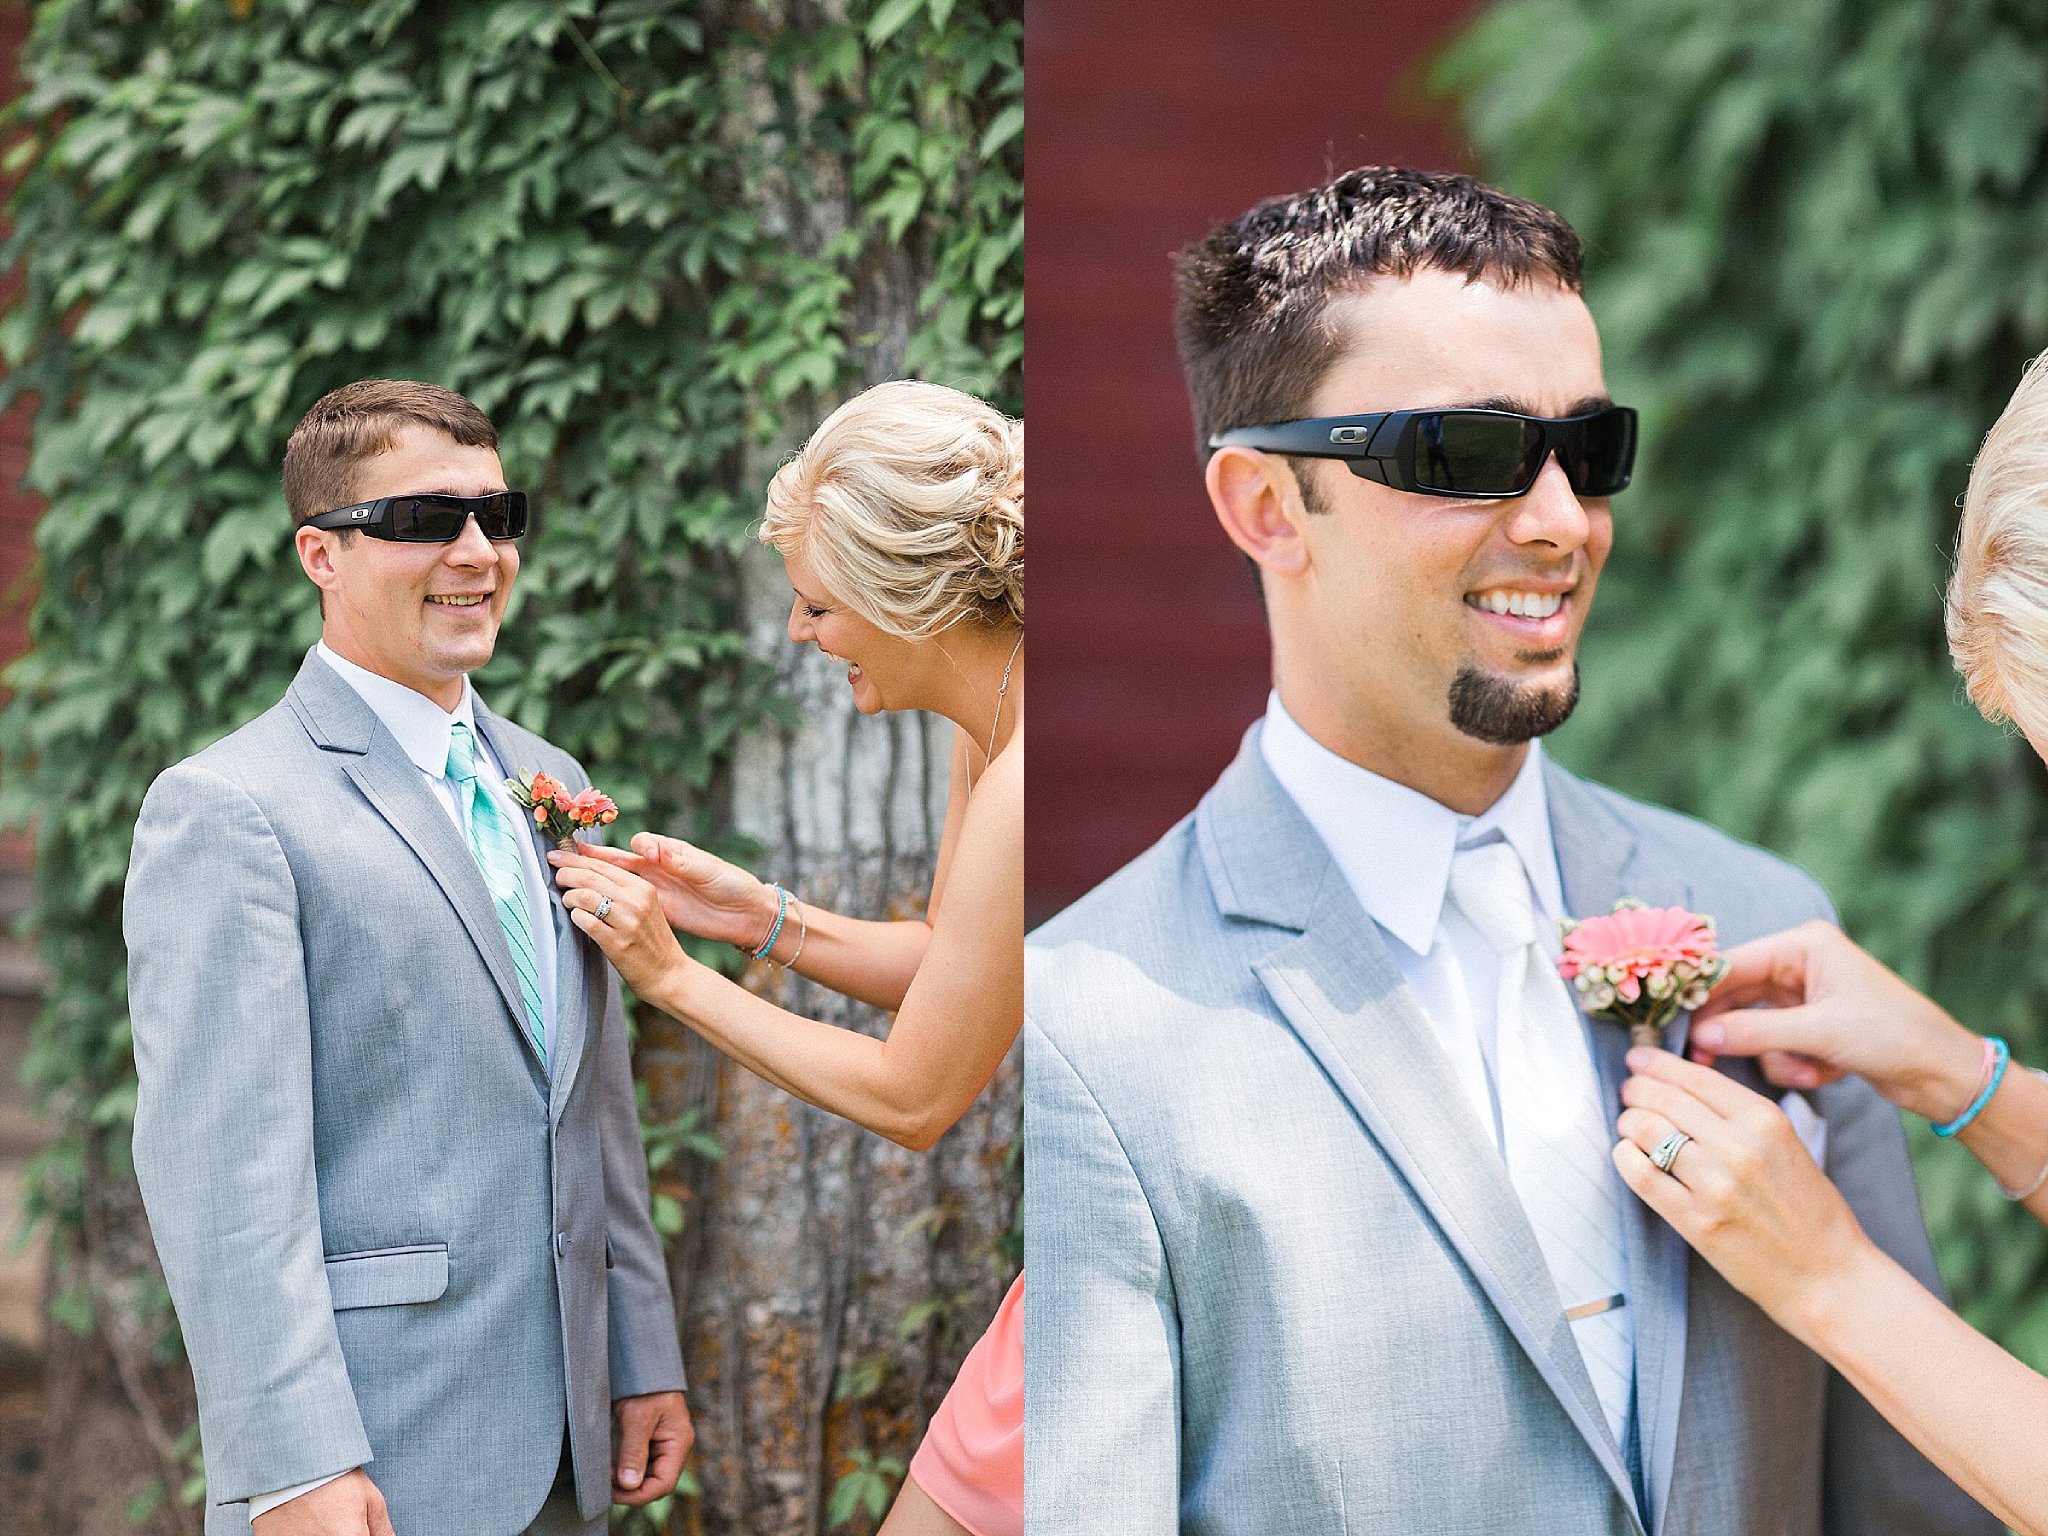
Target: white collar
{"x":419,"y":724}
{"x":1393,"y":844}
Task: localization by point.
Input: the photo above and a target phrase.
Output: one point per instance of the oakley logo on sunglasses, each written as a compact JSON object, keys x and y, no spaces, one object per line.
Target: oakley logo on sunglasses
{"x":1468,"y":453}
{"x":430,"y":517}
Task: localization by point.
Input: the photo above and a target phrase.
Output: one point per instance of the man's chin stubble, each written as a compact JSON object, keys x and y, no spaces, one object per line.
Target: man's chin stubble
{"x":1492,"y":709}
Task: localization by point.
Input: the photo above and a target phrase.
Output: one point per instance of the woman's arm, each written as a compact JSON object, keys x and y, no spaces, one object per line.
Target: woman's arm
{"x":871,"y":962}
{"x":1748,"y":1196}
{"x":1973,"y":1410}
{"x":958,"y":1016}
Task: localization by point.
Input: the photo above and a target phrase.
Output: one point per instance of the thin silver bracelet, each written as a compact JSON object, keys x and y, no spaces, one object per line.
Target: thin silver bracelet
{"x":803,"y":932}
{"x":2039,"y":1178}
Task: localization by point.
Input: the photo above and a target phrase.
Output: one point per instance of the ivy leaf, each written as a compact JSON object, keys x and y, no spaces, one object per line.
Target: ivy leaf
{"x":416,"y":161}
{"x":890,"y":18}
{"x":239,"y":537}
{"x":370,"y":124}
{"x":1005,"y":126}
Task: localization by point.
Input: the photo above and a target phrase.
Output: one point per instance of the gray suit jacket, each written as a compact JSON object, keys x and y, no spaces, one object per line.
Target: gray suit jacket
{"x":1277,"y":1291}
{"x":391,"y":1238}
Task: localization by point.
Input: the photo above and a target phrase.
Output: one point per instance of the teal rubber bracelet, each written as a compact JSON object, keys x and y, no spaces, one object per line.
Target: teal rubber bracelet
{"x":2000,"y":1055}
{"x":781,"y":912}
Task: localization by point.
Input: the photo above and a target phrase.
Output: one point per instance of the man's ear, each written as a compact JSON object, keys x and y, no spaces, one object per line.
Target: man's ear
{"x":1259,"y":505}
{"x":316,"y":557}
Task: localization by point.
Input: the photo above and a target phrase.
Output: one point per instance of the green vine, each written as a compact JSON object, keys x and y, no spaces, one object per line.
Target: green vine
{"x":651,"y":238}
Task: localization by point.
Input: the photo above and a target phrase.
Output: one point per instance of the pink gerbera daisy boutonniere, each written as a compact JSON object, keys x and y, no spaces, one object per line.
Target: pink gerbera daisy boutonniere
{"x":558,"y":813}
{"x":1640,"y":966}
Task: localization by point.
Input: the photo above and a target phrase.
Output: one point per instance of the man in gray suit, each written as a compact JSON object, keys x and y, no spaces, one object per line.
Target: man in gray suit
{"x":385,"y":1127}
{"x":1321,"y":1222}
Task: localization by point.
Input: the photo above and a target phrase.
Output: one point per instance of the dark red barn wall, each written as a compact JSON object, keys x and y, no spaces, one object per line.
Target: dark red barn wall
{"x":1147,"y":122}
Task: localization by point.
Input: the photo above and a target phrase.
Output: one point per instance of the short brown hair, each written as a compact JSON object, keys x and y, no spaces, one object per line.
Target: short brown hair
{"x":359,"y":421}
{"x":1252,"y":297}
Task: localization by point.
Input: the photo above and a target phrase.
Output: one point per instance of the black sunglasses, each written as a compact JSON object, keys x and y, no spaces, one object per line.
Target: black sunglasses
{"x":430,"y":517}
{"x":1475,"y":453}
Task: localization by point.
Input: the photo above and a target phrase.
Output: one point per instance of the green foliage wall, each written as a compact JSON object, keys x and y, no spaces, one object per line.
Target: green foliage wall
{"x":1815,"y":237}
{"x":646,"y":236}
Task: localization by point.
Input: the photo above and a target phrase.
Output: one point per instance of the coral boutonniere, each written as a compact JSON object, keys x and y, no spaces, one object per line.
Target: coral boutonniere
{"x":1641,"y":965}
{"x":558,"y":813}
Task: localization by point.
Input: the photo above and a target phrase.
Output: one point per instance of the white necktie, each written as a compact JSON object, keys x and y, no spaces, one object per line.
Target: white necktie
{"x":1555,"y":1133}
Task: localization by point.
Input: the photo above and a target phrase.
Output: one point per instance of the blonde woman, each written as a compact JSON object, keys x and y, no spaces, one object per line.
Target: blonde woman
{"x":1743,"y":1191}
{"x":901,"y":525}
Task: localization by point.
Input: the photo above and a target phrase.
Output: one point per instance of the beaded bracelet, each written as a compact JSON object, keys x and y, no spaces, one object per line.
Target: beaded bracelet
{"x":1996,"y":1055}
{"x":781,"y":913}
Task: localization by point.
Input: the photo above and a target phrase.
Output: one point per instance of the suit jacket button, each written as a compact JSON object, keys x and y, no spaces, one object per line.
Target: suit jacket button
{"x":561,"y":1245}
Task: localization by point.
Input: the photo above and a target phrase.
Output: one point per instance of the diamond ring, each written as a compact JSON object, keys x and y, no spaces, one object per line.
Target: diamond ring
{"x":604,"y":908}
{"x":1667,"y":1151}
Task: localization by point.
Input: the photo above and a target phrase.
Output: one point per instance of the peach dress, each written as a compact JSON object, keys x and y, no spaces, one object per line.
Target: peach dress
{"x":972,"y":1461}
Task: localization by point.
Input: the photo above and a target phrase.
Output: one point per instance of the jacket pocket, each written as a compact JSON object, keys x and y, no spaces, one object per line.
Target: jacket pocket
{"x":609,"y":1261}
{"x":388,"y":1277}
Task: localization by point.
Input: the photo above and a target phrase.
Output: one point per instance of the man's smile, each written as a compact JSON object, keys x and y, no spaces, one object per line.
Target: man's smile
{"x":1535,"y":611}
{"x":1523,"y":605}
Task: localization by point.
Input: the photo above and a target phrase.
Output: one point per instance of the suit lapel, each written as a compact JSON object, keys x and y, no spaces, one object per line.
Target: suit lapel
{"x":573,"y":973}
{"x":1599,"y":863}
{"x":340,"y":722}
{"x":1340,"y":991}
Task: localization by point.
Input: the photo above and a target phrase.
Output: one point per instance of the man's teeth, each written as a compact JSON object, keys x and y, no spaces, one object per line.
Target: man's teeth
{"x":458,"y":602}
{"x":1523,"y":605}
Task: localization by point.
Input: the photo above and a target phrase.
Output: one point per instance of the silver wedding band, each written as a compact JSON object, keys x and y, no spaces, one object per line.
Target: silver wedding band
{"x":1668,"y":1149}
{"x":604,"y":908}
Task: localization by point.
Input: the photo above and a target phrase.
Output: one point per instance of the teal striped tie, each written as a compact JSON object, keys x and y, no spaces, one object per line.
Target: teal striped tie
{"x":490,"y":843}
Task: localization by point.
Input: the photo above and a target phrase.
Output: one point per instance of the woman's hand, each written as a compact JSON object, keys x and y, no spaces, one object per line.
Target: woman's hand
{"x":700,"y":893}
{"x":1829,"y":1009}
{"x":634,"y":932}
{"x":1743,"y":1190}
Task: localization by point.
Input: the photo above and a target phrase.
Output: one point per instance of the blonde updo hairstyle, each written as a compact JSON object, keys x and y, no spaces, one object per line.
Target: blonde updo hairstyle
{"x":908,"y":504}
{"x":1998,"y":596}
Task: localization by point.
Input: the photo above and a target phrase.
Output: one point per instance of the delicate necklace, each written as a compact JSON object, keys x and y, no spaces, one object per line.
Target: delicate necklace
{"x":988,"y":753}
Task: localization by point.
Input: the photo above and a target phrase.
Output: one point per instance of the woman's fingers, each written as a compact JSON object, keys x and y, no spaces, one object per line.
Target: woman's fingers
{"x":606,"y":854}
{"x":1798,"y":1029}
{"x":670,"y":853}
{"x":1646,"y":1129}
{"x":631,"y":898}
{"x":1790,"y":1070}
{"x":598,"y":856}
{"x":609,"y":939}
{"x":1692,"y":1097}
{"x":1770,"y":970}
{"x":1658,"y":1190}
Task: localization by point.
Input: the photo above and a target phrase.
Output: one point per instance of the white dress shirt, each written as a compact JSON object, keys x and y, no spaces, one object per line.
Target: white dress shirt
{"x":421,"y":727}
{"x":1393,"y":846}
